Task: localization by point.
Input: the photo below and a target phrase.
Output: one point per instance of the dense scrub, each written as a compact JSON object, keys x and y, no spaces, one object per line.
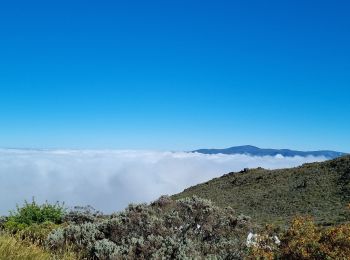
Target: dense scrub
{"x":188,"y":228}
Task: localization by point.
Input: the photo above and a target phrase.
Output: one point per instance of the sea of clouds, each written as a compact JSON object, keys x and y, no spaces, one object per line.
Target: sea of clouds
{"x":110,"y":180}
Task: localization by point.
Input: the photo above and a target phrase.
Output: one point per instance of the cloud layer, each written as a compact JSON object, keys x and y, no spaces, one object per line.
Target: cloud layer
{"x":110,"y":180}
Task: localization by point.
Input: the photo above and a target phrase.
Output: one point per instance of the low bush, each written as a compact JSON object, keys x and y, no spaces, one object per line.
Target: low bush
{"x":167,"y":228}
{"x":80,"y":215}
{"x":33,"y":222}
{"x":33,"y":213}
{"x":335,"y":242}
{"x":37,"y":233}
{"x":304,"y":240}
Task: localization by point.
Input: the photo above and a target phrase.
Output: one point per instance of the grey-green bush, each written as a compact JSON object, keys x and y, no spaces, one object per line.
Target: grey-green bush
{"x":80,"y":215}
{"x":167,"y":229}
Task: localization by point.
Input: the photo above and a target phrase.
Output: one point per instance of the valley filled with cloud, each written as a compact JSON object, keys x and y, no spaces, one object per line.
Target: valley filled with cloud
{"x":111,"y":179}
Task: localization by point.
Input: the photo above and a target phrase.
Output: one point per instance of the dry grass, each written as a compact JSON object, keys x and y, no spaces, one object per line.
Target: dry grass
{"x":13,"y":249}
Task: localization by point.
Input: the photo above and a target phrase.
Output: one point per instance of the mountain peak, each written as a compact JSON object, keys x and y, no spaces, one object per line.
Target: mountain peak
{"x":256,"y":151}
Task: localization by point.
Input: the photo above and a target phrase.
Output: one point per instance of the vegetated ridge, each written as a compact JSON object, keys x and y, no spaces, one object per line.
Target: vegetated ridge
{"x":255,"y":151}
{"x":321,"y":190}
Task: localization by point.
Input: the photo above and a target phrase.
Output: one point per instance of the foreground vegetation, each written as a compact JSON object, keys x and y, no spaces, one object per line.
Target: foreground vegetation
{"x":192,"y":227}
{"x":303,"y":240}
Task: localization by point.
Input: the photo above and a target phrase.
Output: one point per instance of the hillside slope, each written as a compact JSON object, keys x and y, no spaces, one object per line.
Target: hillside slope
{"x":318,"y":189}
{"x":255,"y":151}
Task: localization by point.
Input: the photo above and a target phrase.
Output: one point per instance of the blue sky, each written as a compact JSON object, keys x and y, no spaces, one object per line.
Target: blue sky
{"x":175,"y":75}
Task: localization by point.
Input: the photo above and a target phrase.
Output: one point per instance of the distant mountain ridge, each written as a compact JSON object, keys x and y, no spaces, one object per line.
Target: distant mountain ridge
{"x":256,"y":151}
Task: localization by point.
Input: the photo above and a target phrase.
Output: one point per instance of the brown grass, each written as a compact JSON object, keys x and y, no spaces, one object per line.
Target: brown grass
{"x":13,"y":249}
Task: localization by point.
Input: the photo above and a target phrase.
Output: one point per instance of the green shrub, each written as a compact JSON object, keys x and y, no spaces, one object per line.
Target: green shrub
{"x":33,"y":213}
{"x":33,"y":222}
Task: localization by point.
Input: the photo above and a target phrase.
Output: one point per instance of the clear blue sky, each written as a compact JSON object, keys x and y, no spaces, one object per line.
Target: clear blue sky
{"x":175,"y":75}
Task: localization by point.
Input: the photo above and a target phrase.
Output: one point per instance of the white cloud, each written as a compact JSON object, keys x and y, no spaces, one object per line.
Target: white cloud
{"x":110,"y":180}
